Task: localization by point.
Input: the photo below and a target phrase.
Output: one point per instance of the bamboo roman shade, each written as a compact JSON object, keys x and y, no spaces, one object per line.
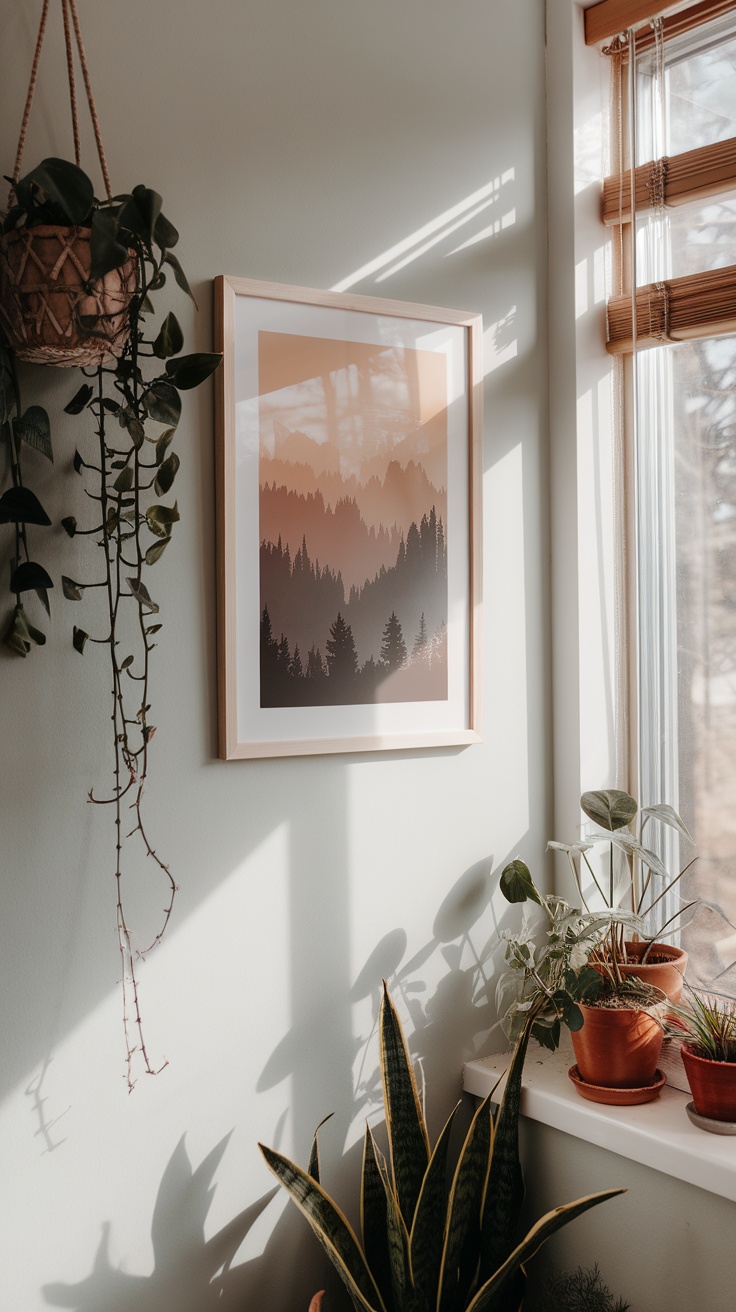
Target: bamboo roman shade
{"x":695,"y":305}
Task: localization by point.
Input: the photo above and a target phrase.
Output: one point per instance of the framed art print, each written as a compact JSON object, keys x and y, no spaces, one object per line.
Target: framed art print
{"x":348,"y":522}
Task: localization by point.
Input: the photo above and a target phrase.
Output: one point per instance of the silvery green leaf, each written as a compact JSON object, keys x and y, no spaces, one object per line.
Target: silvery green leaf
{"x":667,"y":815}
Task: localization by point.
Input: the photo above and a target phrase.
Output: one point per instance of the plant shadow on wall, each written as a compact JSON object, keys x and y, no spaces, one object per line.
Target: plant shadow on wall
{"x":449,"y":1023}
{"x":191,"y":1273}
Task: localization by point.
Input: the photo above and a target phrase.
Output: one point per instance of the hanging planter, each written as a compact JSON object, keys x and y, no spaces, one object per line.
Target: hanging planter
{"x":79,"y":283}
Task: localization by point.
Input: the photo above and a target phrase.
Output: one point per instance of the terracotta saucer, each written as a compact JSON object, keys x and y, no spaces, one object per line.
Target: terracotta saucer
{"x":617,"y":1097}
{"x":709,"y":1123}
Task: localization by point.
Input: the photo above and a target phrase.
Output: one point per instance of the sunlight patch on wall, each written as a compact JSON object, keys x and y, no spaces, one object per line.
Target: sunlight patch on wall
{"x":499,"y":342}
{"x":430,"y":234}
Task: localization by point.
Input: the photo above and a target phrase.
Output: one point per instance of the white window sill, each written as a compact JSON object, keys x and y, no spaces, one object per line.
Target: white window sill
{"x":657,"y":1134}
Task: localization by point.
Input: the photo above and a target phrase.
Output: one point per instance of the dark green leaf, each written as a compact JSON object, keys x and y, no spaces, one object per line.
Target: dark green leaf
{"x":188,"y":371}
{"x":505,"y":1191}
{"x":156,"y":551}
{"x":34,"y":428}
{"x":61,"y":183}
{"x":427,"y":1231}
{"x":165,"y":234}
{"x":573,"y":1017}
{"x":8,"y":391}
{"x":166,"y":475}
{"x":43,"y":597}
{"x":18,"y":505}
{"x":179,"y":274}
{"x":69,"y":525}
{"x":127,"y":662}
{"x":313,"y":1168}
{"x":460,"y":1249}
{"x":79,"y":400}
{"x":141,"y":594}
{"x":548,"y":1036}
{"x":106,"y":250}
{"x":20,"y":635}
{"x":160,"y":518}
{"x":124,"y":480}
{"x":487,"y":1297}
{"x":148,"y":203}
{"x":79,"y":638}
{"x":72,"y":591}
{"x":170,"y":338}
{"x":374,"y":1219}
{"x":107,"y":403}
{"x":158,"y":281}
{"x":163,"y":442}
{"x":28,"y":577}
{"x":407,"y":1132}
{"x":154,"y":628}
{"x":78,"y":463}
{"x":112,"y":521}
{"x":163,"y":403}
{"x":133,"y":426}
{"x":610,"y":808}
{"x":517,"y":884}
{"x":331,"y":1228}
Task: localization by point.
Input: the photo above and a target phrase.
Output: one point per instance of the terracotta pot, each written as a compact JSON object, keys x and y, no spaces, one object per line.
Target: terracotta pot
{"x":665,"y":975}
{"x":618,"y":1047}
{"x":712,"y":1084}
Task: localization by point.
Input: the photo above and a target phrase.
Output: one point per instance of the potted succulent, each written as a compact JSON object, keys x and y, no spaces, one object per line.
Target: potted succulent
{"x":707,"y":1026}
{"x":614,"y":1024}
{"x":636,"y":879}
{"x":429,"y":1246}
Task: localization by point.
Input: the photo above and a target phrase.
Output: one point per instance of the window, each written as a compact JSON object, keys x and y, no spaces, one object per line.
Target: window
{"x":675,"y":112}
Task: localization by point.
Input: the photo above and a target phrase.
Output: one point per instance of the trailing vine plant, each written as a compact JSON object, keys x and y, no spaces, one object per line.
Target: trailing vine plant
{"x":132,"y":404}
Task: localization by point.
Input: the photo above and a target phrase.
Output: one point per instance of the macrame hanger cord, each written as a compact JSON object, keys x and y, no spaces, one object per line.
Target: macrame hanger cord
{"x":69,"y":7}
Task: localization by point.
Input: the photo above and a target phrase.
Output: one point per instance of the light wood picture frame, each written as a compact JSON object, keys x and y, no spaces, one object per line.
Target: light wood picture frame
{"x":349,"y":439}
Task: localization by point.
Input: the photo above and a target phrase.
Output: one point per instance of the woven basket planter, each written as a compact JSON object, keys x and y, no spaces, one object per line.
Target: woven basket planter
{"x":45,"y":291}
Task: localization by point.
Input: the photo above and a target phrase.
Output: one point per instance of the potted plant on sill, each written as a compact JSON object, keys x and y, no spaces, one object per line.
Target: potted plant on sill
{"x":614,"y":1023}
{"x":636,"y":879}
{"x":427,"y":1247}
{"x":707,"y":1027}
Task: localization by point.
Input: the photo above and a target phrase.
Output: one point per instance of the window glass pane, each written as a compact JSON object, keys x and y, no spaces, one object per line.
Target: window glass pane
{"x":687,"y":562}
{"x":698,"y":103}
{"x":686,"y":239}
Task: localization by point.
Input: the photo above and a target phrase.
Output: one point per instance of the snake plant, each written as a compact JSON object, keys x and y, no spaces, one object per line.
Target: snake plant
{"x":432,"y":1242}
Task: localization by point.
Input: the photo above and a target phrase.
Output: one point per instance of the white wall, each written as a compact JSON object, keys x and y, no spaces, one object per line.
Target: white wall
{"x":298,"y":142}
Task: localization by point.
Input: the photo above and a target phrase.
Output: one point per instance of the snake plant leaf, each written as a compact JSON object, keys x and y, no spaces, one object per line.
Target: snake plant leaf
{"x":79,"y":400}
{"x":18,"y":505}
{"x":142,"y":596}
{"x":34,"y":429}
{"x":487,"y":1297}
{"x":170,"y":338}
{"x":407,"y":1132}
{"x":427,"y":1231}
{"x":374,"y":1219}
{"x":505,"y":1187}
{"x":163,"y":403}
{"x":609,"y":807}
{"x":29,"y":576}
{"x":314,"y":1162}
{"x":459,"y":1252}
{"x":188,"y":371}
{"x":79,"y":638}
{"x":166,"y":474}
{"x":517,"y":884}
{"x":668,"y":816}
{"x":403,"y":1294}
{"x":332,"y":1229}
{"x":179,"y":275}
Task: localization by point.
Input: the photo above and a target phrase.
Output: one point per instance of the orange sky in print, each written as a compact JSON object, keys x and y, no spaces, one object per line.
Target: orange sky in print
{"x":351,"y":408}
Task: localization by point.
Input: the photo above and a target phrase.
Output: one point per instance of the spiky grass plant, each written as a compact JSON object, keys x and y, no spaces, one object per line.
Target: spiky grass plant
{"x":708,"y":1022}
{"x":431,"y":1243}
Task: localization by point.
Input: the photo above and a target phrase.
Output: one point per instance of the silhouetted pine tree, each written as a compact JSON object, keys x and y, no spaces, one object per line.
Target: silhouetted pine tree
{"x":393,"y":647}
{"x":342,"y":658}
{"x":420,"y":641}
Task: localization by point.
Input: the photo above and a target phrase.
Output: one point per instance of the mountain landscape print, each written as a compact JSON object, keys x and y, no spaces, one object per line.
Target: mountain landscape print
{"x":352,"y":472}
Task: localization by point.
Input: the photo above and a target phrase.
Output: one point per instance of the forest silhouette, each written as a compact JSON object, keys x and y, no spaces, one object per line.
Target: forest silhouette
{"x":384,"y":641}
